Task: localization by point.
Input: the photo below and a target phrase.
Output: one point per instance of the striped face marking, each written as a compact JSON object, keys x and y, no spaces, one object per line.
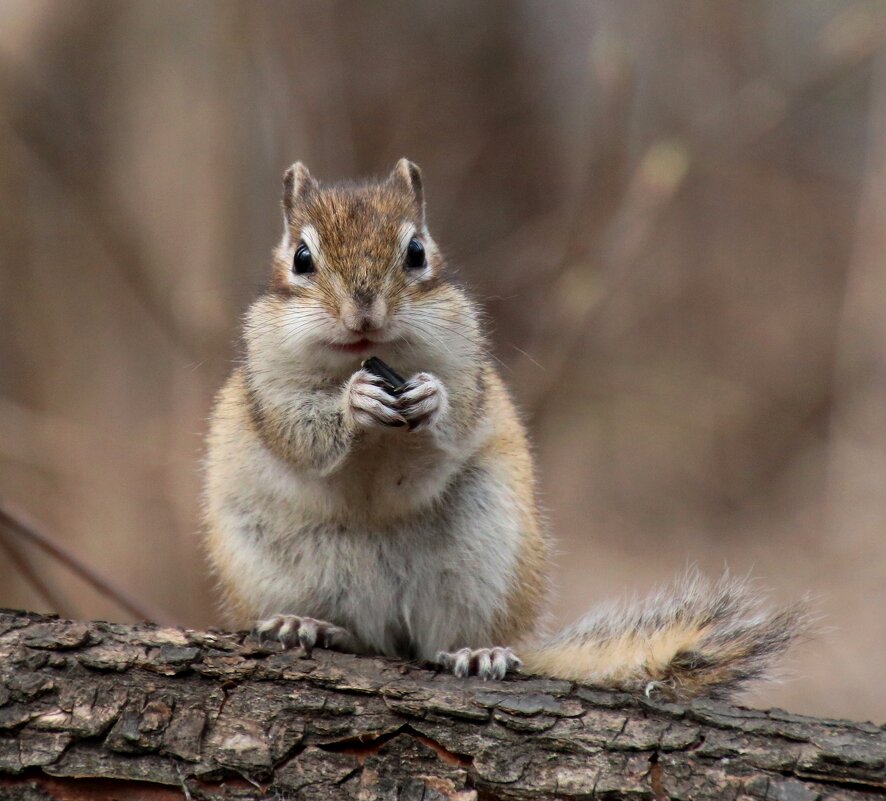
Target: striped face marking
{"x":309,"y":236}
{"x":405,"y":235}
{"x":312,"y":240}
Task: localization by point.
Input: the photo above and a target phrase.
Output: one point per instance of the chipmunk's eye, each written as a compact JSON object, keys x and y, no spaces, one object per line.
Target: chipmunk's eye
{"x":302,"y":262}
{"x":415,"y":255}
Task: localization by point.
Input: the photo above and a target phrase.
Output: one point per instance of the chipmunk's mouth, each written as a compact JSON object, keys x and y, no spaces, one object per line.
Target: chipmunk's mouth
{"x":353,"y":347}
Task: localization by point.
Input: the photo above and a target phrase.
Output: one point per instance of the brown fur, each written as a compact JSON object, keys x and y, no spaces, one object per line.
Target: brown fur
{"x":530,"y":587}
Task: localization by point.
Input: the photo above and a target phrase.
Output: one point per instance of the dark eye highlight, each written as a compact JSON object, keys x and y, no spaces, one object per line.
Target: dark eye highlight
{"x":415,"y":255}
{"x":302,"y":262}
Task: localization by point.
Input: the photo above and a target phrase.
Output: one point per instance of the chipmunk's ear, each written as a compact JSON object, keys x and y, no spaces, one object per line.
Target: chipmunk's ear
{"x":297,"y":183}
{"x":408,"y":175}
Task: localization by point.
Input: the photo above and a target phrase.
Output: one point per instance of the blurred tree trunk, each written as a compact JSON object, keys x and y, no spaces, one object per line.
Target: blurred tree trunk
{"x":107,"y":711}
{"x":857,"y":503}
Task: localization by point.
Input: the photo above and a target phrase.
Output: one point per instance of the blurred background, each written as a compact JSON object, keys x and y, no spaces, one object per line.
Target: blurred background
{"x":674,"y":213}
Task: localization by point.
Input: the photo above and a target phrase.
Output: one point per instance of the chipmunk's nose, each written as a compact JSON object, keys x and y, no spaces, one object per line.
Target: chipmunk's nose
{"x":364,"y":312}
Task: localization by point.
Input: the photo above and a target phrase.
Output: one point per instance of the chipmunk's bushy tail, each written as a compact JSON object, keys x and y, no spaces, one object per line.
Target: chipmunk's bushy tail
{"x":693,"y":638}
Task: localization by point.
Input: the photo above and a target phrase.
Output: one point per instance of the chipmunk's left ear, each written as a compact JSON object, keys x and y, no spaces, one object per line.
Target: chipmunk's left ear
{"x":408,"y":175}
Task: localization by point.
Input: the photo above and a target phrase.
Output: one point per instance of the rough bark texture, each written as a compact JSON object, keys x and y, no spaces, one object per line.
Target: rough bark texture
{"x":106,"y":711}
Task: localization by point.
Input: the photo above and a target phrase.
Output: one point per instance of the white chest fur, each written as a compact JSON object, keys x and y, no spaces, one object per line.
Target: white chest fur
{"x":413,"y":555}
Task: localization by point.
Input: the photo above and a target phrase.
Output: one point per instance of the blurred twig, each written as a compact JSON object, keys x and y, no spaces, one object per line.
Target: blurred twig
{"x":14,"y":524}
{"x":53,"y":599}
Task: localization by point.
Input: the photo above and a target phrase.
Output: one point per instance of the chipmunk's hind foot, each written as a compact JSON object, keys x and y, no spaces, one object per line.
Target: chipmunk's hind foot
{"x":486,"y":663}
{"x":305,"y":632}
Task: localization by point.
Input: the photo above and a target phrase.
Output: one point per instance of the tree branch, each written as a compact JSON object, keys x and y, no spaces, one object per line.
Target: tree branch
{"x":102,"y":711}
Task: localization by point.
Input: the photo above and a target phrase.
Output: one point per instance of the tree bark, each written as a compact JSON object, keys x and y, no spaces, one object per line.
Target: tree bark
{"x":106,"y":711}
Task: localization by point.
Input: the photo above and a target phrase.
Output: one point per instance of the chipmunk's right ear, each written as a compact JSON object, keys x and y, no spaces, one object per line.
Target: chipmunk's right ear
{"x":407,"y":175}
{"x":297,"y":184}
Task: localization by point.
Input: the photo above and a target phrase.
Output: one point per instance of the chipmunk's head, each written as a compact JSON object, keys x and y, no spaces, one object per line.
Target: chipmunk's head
{"x":356,"y":265}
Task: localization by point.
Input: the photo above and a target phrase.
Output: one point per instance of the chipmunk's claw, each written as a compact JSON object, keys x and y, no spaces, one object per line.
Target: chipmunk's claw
{"x":486,"y":663}
{"x":306,"y":632}
{"x":370,"y":404}
{"x":422,"y":401}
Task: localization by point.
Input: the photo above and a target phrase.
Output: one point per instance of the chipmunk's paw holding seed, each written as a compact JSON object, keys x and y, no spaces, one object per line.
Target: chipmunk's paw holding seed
{"x":423,"y":401}
{"x":369,"y":404}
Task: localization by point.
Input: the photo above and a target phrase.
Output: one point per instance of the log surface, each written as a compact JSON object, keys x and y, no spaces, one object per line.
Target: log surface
{"x":92,"y":710}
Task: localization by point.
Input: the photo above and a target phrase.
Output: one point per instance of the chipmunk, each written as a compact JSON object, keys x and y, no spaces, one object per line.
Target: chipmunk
{"x":342,"y":514}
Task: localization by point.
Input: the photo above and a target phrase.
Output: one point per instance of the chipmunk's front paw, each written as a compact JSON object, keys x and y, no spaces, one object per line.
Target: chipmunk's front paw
{"x":423,"y":401}
{"x":487,"y":663}
{"x":291,"y":630}
{"x":369,"y":404}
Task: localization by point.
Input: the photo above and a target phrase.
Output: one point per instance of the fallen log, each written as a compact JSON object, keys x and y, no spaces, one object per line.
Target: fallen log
{"x":92,"y":710}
